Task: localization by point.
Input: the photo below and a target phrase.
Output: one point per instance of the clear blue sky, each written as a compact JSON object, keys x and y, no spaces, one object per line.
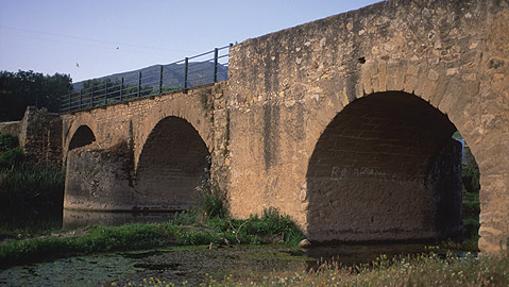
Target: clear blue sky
{"x":53,"y":36}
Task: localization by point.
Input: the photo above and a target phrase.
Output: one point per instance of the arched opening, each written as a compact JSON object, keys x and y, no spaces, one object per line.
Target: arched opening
{"x":173,"y":163}
{"x":82,"y":137}
{"x":386,"y":168}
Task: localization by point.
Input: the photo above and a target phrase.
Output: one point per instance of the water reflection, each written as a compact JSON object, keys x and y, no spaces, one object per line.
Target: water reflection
{"x":365,"y":253}
{"x":354,"y":254}
{"x":81,"y":218}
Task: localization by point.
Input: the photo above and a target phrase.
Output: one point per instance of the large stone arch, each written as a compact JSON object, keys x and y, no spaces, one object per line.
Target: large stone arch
{"x":173,"y":163}
{"x":457,"y":94}
{"x":385,"y":168}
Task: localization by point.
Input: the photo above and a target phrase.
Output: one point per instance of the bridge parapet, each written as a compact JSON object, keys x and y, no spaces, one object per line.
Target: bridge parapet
{"x":191,"y":72}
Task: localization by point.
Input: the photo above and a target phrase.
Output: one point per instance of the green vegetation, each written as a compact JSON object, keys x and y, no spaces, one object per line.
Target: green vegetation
{"x":23,"y":88}
{"x":212,"y":200}
{"x":471,"y":207}
{"x":7,"y":142}
{"x":29,"y":192}
{"x":186,"y":229}
{"x":422,"y":270}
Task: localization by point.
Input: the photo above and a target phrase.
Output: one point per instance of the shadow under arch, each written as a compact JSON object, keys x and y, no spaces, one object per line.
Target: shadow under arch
{"x":82,"y":136}
{"x":174,"y":161}
{"x":385,"y":168}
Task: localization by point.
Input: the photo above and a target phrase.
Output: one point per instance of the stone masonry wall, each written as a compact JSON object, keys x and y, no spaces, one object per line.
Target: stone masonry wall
{"x":40,"y":136}
{"x":167,"y":142}
{"x":10,"y":128}
{"x":286,"y":87}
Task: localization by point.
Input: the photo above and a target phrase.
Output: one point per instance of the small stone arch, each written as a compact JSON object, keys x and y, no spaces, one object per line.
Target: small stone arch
{"x":80,"y":133}
{"x":81,"y":137}
{"x":181,"y":108}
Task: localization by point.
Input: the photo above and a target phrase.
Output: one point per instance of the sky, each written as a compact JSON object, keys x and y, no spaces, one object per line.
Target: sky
{"x":89,"y":39}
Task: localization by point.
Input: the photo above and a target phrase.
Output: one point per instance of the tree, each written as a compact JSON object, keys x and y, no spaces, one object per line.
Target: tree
{"x":23,"y":88}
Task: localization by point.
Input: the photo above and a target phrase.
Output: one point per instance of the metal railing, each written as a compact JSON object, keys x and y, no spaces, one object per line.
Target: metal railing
{"x":190,"y":72}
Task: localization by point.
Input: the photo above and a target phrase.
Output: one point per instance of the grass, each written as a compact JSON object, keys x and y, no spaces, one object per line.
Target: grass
{"x":428,"y":269}
{"x":185,"y":229}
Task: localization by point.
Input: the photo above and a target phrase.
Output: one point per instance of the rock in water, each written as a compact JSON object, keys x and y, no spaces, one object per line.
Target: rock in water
{"x":305,"y":243}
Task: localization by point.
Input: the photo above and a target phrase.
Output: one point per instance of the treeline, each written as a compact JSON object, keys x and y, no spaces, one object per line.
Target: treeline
{"x":23,"y":88}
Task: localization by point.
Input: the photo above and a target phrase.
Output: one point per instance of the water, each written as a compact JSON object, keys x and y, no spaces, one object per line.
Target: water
{"x":195,"y":264}
{"x":79,"y":218}
{"x":81,"y":271}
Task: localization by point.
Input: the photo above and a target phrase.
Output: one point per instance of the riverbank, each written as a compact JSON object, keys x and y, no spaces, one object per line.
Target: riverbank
{"x":185,"y":229}
{"x":422,"y":270}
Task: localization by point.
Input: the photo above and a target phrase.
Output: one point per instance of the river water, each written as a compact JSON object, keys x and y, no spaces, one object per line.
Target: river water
{"x":194,"y":264}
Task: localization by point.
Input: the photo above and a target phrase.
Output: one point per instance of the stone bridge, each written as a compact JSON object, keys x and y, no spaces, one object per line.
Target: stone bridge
{"x":343,"y":123}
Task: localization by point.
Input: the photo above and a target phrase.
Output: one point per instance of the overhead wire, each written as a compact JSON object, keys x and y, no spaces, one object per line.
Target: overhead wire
{"x":80,"y":38}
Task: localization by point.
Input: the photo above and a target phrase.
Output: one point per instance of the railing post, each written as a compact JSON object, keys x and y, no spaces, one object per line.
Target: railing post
{"x":69,"y":106}
{"x":81,"y":99}
{"x":161,"y":80}
{"x":186,"y":69}
{"x":216,"y":54}
{"x":105,"y":93}
{"x":121,"y":87}
{"x":92,"y":100}
{"x":139,"y":83}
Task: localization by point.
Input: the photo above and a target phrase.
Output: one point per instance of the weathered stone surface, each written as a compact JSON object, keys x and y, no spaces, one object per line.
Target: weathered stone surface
{"x":10,"y":128}
{"x":98,"y":179}
{"x":437,"y":50}
{"x":168,"y":146}
{"x":40,"y":136}
{"x":375,"y":173}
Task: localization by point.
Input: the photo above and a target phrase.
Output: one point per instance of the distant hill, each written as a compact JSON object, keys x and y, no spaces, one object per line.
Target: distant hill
{"x":199,"y":73}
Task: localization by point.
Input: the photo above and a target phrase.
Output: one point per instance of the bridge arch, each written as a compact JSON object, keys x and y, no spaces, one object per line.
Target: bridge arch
{"x":81,"y":137}
{"x":385,"y":168}
{"x":76,"y":130}
{"x":173,"y":162}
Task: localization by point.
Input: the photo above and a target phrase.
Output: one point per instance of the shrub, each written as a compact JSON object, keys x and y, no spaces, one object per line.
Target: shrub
{"x":11,"y":158}
{"x":212,"y":201}
{"x":30,"y":192}
{"x":470,"y":177}
{"x":7,"y":142}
